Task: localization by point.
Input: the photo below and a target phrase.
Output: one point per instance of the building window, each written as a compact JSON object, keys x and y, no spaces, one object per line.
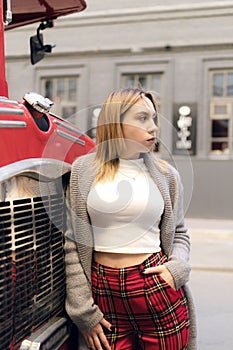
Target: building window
{"x":221,"y":108}
{"x":222,"y":83}
{"x":151,"y":81}
{"x":63,"y":91}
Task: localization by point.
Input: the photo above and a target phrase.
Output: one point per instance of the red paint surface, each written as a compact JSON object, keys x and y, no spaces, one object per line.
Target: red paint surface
{"x":30,"y":142}
{"x":29,"y":11}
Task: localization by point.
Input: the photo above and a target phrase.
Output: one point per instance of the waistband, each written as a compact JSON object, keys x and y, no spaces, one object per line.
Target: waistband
{"x":153,"y":260}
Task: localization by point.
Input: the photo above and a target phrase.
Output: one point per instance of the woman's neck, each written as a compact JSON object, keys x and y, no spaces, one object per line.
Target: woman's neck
{"x":128,"y":155}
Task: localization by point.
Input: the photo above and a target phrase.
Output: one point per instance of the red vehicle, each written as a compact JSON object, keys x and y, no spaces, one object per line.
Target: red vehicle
{"x":37,"y":149}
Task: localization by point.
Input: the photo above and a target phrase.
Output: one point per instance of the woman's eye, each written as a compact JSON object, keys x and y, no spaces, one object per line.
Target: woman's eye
{"x":142,"y":118}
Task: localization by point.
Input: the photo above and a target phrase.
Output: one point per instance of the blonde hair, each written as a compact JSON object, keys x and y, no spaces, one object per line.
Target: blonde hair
{"x":109,"y":135}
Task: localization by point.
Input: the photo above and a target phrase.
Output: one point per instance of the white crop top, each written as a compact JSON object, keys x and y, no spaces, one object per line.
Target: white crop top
{"x":125,"y":213}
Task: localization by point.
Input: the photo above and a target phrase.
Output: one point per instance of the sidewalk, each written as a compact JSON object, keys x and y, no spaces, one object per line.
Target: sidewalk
{"x":211,"y":244}
{"x":209,"y":226}
{"x":211,"y":281}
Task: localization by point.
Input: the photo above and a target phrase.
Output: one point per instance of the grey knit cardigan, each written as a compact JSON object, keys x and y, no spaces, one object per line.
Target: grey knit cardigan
{"x":79,"y":241}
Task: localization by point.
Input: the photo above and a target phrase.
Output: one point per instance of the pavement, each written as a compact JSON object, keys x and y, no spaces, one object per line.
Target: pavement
{"x":211,"y":281}
{"x":211,"y":244}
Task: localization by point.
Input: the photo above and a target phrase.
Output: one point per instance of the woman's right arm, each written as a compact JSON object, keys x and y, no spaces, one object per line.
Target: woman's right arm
{"x":80,"y":305}
{"x":79,"y":302}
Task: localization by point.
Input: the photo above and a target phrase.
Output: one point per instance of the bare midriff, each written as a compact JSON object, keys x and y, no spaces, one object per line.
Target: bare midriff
{"x":119,"y":260}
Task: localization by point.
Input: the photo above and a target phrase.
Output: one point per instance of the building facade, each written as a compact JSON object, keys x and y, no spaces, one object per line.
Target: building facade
{"x":183,"y":51}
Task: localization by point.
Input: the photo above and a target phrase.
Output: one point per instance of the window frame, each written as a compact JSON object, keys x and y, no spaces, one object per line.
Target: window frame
{"x":149,"y":76}
{"x":225,"y":73}
{"x":209,"y":64}
{"x":218,"y":101}
{"x":56,"y":70}
{"x":65,"y":102}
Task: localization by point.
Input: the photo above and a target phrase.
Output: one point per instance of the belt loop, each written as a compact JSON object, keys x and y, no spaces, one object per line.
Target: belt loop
{"x":101,"y":269}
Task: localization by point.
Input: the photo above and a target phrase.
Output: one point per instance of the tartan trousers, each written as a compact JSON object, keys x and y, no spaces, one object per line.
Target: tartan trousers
{"x":146,"y":313}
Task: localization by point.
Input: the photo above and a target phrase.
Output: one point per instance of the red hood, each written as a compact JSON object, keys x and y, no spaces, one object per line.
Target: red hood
{"x":31,"y":11}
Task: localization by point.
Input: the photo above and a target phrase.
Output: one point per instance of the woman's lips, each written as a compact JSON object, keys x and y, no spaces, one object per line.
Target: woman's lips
{"x":151,"y":140}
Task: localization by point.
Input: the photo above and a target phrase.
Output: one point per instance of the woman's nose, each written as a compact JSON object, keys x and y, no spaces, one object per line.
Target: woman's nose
{"x":152,"y":127}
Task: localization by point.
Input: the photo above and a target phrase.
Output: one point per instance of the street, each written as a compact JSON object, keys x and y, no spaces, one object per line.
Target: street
{"x":212,"y":287}
{"x":213,"y":293}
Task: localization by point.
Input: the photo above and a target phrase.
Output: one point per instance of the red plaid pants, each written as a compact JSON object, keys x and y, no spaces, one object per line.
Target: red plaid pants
{"x":145,"y":312}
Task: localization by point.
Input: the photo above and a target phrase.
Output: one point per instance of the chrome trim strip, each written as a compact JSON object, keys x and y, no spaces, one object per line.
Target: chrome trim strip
{"x":12,"y":124}
{"x":6,"y":110}
{"x":4,"y":99}
{"x":50,"y":336}
{"x":70,"y":137}
{"x":68,"y":127}
{"x":43,"y":169}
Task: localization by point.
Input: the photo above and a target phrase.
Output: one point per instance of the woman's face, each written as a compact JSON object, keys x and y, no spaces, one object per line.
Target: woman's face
{"x":139,"y":128}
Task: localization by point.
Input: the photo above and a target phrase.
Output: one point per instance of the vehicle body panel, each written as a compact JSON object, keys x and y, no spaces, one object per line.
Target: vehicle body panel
{"x":22,"y":139}
{"x":35,"y":167}
{"x":27,"y":11}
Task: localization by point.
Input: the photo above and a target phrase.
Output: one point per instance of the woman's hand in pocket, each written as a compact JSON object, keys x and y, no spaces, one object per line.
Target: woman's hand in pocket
{"x":163,"y":271}
{"x":95,"y":337}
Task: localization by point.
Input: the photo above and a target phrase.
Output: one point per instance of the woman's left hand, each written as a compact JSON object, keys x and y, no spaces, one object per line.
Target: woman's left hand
{"x":163,"y":271}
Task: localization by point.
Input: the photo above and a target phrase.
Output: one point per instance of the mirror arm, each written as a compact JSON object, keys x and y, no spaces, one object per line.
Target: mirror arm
{"x":37,"y":47}
{"x":43,"y":25}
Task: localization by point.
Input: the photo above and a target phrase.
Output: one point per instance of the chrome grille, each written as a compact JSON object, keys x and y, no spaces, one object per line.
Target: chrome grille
{"x":32,"y":276}
{"x":6,"y":281}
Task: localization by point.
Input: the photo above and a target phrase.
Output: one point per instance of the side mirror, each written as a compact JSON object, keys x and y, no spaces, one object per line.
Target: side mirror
{"x":37,"y":47}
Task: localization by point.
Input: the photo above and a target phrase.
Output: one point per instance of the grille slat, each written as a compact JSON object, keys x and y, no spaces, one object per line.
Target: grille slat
{"x":32,"y":276}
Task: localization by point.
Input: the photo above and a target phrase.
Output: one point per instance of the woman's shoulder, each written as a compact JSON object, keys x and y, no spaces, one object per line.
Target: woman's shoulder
{"x":164,"y":166}
{"x":83,"y":160}
{"x":82,"y":171}
{"x":169,"y":172}
{"x":83,"y":167}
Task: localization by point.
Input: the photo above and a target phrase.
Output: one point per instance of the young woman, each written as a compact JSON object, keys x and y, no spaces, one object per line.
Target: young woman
{"x":127,"y":249}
